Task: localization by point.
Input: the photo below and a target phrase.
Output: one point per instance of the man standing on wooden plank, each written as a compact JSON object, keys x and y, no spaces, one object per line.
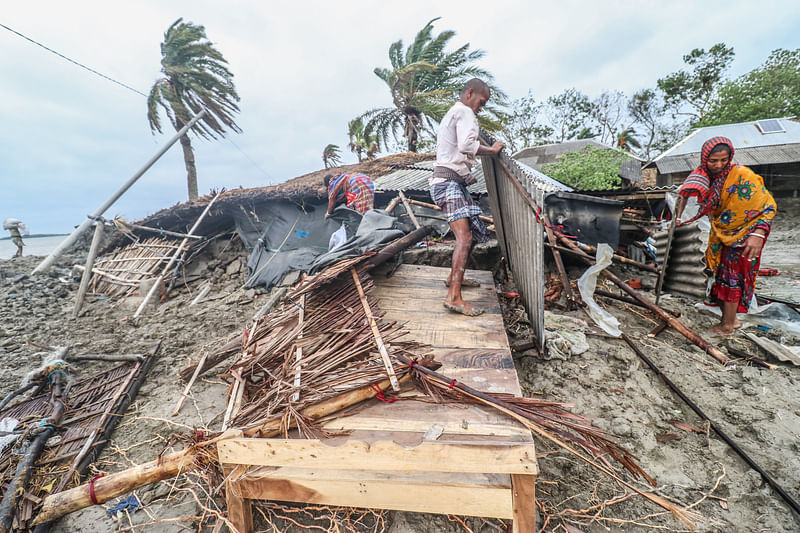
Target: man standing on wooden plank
{"x":457,"y":144}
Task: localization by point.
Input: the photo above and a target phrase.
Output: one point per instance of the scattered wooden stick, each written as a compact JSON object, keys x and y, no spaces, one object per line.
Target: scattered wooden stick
{"x":674,"y":323}
{"x":200,"y":295}
{"x":387,"y":362}
{"x":658,"y":329}
{"x":115,"y":358}
{"x":753,"y":359}
{"x":188,"y":387}
{"x":409,"y":211}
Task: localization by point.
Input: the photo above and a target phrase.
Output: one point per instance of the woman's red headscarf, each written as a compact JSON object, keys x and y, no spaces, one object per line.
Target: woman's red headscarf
{"x":702,"y":184}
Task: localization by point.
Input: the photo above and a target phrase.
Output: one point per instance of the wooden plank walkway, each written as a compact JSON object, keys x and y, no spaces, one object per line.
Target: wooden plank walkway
{"x":473,"y":350}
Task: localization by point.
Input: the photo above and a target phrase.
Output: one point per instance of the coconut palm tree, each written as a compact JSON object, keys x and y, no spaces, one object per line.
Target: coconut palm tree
{"x":362,"y":143}
{"x":331,"y":156}
{"x":627,"y":141}
{"x":195,"y":78}
{"x":424,"y":81}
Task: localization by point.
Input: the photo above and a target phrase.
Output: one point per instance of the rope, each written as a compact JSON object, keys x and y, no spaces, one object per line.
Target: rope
{"x":92,"y":495}
{"x":381,"y":396}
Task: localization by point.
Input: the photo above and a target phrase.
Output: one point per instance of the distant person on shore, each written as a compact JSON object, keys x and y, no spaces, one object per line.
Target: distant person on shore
{"x":457,"y":144}
{"x":13,"y":226}
{"x":741,"y":210}
{"x":354,"y":190}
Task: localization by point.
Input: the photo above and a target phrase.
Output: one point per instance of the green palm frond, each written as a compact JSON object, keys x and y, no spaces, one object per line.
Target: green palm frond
{"x":424,"y":81}
{"x":196,"y":77}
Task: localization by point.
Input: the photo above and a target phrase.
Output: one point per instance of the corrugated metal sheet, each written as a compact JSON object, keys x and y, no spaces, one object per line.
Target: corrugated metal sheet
{"x":518,"y":231}
{"x":415,"y":178}
{"x":762,"y":155}
{"x":752,"y":146}
{"x":684,"y":272}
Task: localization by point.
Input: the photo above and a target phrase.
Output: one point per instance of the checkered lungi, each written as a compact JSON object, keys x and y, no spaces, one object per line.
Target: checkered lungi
{"x":457,"y":203}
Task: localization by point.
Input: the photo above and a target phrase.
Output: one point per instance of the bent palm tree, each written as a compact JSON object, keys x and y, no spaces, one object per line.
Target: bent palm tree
{"x":331,"y":156}
{"x":626,"y":140}
{"x":195,"y":78}
{"x":362,"y":142}
{"x":424,"y":82}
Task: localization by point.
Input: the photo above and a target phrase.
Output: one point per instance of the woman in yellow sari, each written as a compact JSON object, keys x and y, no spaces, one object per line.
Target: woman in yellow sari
{"x":740,"y":209}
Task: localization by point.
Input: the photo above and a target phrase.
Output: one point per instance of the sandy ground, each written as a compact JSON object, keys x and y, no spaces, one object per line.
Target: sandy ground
{"x":758,"y":408}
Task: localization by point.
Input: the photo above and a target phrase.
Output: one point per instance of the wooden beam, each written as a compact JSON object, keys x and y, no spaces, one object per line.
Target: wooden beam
{"x":87,"y":273}
{"x":431,"y":492}
{"x":501,"y":458}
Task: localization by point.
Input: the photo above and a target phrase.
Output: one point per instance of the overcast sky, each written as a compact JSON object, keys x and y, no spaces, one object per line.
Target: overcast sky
{"x":303,"y":69}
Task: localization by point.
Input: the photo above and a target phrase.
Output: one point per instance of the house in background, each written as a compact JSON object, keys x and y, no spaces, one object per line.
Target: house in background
{"x":769,"y":147}
{"x":538,"y":156}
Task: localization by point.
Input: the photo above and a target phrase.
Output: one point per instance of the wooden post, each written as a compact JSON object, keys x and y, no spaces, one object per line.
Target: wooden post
{"x":240,"y":510}
{"x":172,"y":260}
{"x":523,"y":497}
{"x":66,"y":243}
{"x":87,"y":273}
{"x":376,"y":332}
{"x":408,"y":209}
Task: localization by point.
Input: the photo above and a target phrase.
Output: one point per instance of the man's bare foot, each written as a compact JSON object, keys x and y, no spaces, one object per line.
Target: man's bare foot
{"x":463,"y":308}
{"x":723,"y":329}
{"x":737,"y":324}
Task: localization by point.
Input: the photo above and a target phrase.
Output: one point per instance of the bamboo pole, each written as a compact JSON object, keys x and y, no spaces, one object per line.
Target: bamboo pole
{"x":398,"y":245}
{"x":299,"y":349}
{"x":409,"y":211}
{"x":674,"y":323}
{"x":168,"y":466}
{"x":392,"y":204}
{"x":115,"y":358}
{"x":185,"y":392}
{"x":87,"y":272}
{"x":172,"y":260}
{"x":160,"y":232}
{"x":387,"y":362}
{"x":66,"y":243}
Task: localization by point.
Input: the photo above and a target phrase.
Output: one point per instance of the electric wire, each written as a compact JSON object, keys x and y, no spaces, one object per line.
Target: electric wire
{"x":93,"y":71}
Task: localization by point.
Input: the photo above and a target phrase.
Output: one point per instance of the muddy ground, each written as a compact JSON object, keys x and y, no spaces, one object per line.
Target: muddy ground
{"x":759,"y":409}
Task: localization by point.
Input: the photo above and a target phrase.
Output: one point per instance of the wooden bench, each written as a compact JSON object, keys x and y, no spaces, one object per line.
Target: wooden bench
{"x":476,"y":462}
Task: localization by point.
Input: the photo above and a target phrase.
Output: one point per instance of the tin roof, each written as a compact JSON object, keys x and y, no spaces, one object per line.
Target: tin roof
{"x":753,"y":146}
{"x":415,"y":178}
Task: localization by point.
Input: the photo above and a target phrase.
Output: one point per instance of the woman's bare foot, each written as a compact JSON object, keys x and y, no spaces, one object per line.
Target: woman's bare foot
{"x":723,"y":329}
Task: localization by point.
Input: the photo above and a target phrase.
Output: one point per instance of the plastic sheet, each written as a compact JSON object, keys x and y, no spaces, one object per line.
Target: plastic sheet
{"x":586,"y":286}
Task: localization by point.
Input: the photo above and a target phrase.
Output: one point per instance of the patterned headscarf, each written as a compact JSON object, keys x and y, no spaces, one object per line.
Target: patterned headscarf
{"x":702,"y":184}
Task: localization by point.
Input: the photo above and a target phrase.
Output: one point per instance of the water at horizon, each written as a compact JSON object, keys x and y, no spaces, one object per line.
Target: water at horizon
{"x":41,"y":246}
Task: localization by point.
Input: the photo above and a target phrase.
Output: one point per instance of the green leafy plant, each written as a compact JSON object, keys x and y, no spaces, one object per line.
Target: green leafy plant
{"x":589,"y":169}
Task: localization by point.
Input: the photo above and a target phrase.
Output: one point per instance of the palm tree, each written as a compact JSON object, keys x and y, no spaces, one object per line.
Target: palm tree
{"x":331,"y":156}
{"x":195,"y":78}
{"x":361,"y":142}
{"x":424,"y":81}
{"x":627,"y":141}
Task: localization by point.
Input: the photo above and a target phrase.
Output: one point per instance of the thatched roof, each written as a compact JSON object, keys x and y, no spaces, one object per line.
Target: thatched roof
{"x":308,"y":187}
